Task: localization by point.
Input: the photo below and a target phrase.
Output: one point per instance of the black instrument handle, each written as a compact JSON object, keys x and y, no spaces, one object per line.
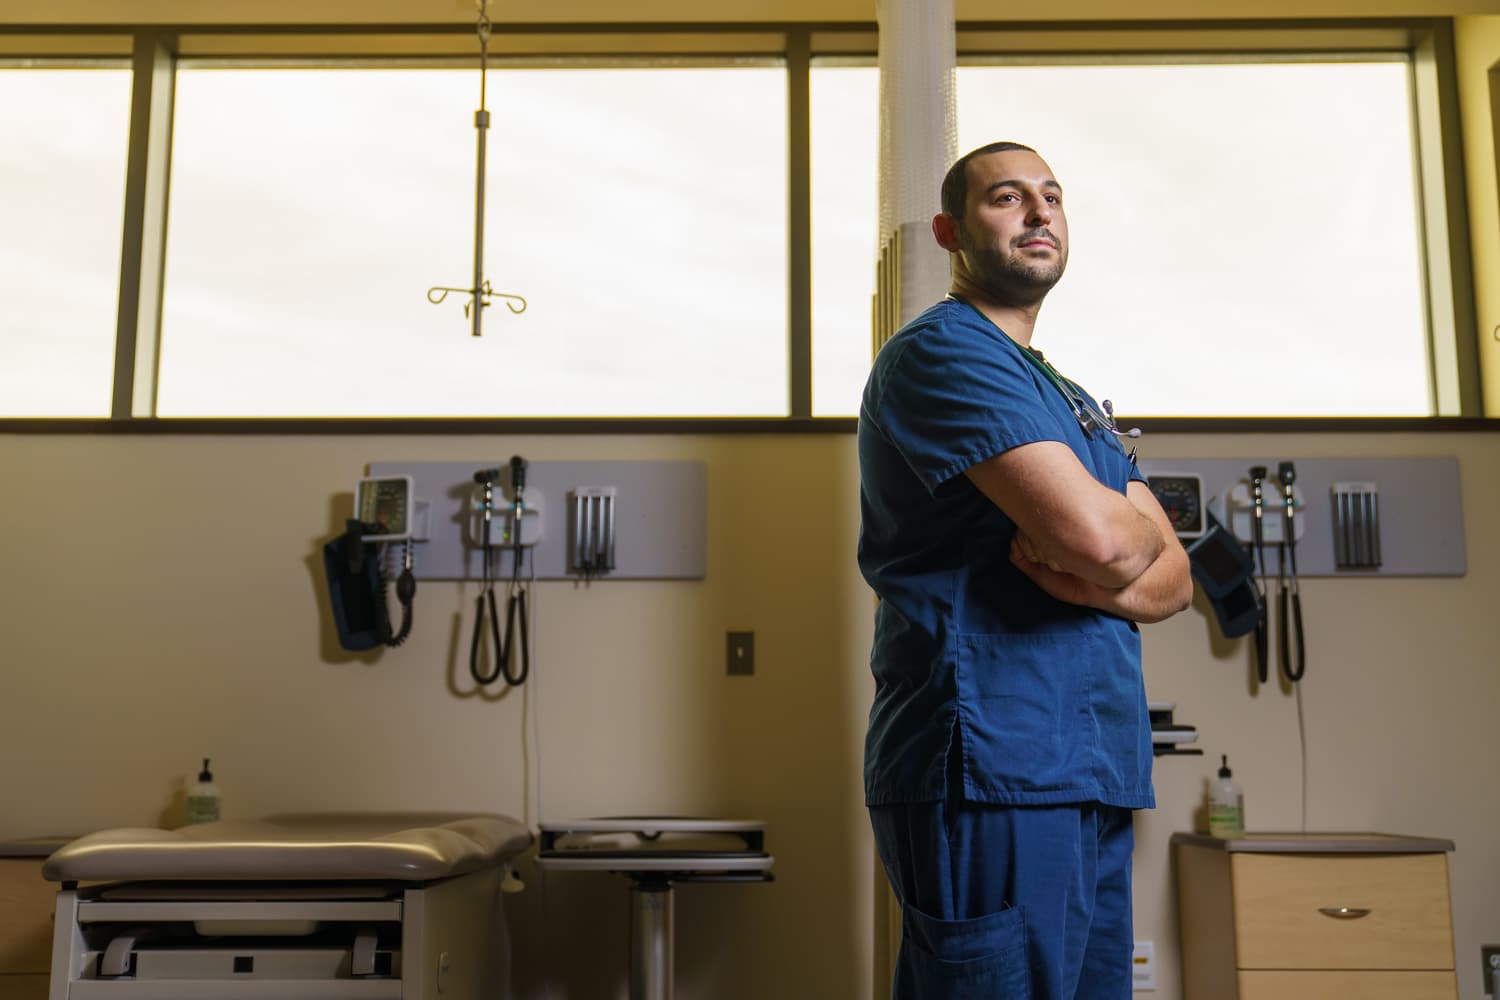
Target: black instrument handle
{"x":1262,"y":653}
{"x":478,"y":637}
{"x":1291,"y":669}
{"x":517,"y":601}
{"x":406,"y":591}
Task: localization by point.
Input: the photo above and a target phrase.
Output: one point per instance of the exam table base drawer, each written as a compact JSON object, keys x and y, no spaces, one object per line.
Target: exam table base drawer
{"x":215,"y":989}
{"x":308,"y":965}
{"x":1382,"y":985}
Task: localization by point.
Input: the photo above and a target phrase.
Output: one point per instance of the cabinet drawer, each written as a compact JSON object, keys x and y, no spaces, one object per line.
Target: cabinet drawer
{"x":26,"y":904}
{"x":1365,"y":985}
{"x":1278,"y":923}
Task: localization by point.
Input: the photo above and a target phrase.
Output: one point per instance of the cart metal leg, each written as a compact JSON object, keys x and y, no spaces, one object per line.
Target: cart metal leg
{"x":650,"y":939}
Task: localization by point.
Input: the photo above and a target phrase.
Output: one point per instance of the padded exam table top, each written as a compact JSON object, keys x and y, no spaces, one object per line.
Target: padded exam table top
{"x":641,"y":844}
{"x":412,"y":847}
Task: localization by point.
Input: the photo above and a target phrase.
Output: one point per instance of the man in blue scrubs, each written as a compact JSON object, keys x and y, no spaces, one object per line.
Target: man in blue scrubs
{"x":1014,"y":547}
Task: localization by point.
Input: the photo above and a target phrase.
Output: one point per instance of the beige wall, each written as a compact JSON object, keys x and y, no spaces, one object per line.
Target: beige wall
{"x":160,"y":603}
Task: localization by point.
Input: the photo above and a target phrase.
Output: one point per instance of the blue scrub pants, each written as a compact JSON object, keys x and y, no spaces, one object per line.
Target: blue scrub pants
{"x":1010,"y":903}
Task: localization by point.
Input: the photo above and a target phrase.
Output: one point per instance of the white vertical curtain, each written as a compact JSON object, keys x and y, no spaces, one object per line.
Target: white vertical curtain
{"x":918,"y":140}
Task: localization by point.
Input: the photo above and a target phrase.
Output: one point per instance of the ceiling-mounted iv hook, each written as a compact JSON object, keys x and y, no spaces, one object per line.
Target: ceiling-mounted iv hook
{"x":515,"y":303}
{"x":511,"y":299}
{"x":480,"y":292}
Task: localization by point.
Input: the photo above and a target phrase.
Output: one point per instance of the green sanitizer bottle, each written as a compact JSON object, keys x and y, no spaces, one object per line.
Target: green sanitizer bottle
{"x":1226,"y":805}
{"x":203,"y":797}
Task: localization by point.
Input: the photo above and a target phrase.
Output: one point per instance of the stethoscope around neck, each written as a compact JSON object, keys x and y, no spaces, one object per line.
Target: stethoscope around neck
{"x":1090,"y":418}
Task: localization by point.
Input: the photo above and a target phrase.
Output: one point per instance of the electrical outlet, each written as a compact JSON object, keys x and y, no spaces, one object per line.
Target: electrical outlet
{"x":1143,"y":966}
{"x":1491,"y":955}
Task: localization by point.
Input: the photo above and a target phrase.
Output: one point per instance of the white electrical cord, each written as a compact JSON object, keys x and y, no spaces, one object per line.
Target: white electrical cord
{"x":532,"y":762}
{"x":532,"y":716}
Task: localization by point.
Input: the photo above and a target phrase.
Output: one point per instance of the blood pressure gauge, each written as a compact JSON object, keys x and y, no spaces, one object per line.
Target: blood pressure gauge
{"x":389,"y":506}
{"x":1181,"y":497}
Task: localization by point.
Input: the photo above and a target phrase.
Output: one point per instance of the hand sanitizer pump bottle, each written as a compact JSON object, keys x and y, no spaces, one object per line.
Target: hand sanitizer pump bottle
{"x":1226,"y":805}
{"x":203,"y":797}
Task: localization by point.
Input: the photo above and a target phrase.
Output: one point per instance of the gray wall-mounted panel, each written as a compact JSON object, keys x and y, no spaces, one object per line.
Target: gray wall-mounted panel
{"x":661,"y":517}
{"x":1421,"y":508}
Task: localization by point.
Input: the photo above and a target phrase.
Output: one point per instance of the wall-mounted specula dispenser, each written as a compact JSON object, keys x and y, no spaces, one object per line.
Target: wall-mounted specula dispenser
{"x":591,"y":544}
{"x":1356,"y":525}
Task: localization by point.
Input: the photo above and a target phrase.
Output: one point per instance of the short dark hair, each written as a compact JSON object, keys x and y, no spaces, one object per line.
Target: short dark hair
{"x":956,"y":181}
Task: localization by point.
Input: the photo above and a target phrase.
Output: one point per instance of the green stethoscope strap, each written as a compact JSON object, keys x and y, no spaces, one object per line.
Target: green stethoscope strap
{"x":1071,"y":392}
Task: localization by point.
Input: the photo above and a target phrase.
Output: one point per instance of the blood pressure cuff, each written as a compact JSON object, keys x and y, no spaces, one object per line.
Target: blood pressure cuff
{"x":353,"y":572}
{"x":1226,"y":572}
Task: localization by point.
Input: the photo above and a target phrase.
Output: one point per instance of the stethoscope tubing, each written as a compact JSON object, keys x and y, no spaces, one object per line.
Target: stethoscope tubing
{"x":504,"y":648}
{"x":1262,"y":621}
{"x":1290,"y":592}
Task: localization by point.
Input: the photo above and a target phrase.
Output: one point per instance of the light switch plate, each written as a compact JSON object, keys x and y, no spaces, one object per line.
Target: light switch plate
{"x":740,"y":654}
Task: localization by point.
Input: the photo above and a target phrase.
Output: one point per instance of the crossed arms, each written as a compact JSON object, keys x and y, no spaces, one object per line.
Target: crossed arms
{"x":1082,"y":542}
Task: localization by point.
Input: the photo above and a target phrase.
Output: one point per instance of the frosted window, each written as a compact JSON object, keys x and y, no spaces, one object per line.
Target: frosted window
{"x":642,"y":213}
{"x":1245,"y":237}
{"x":845,"y":125}
{"x":63,"y":136}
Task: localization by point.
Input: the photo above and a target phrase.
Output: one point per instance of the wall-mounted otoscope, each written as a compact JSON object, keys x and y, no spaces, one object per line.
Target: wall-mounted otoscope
{"x":486,"y":478}
{"x":504,"y":648}
{"x":1258,"y":546}
{"x":517,"y":510}
{"x":1291,"y":624}
{"x":1264,"y":520}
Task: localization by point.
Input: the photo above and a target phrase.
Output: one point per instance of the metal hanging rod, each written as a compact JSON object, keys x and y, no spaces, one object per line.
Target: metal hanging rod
{"x":480,"y":292}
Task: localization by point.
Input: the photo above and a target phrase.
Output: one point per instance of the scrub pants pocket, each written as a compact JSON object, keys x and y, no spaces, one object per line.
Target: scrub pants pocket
{"x":983,"y":958}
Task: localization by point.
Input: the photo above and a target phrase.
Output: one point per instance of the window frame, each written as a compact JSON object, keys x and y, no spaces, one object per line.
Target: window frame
{"x":154,"y":52}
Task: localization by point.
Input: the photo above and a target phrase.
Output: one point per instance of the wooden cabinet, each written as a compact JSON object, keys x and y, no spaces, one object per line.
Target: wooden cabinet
{"x":1292,"y":916}
{"x":27,"y":902}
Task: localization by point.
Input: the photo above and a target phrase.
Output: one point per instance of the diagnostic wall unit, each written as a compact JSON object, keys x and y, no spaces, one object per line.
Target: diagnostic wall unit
{"x":660,"y":519}
{"x":1420,"y":522}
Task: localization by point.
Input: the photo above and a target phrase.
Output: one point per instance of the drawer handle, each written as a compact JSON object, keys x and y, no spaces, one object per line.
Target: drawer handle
{"x":1343,"y":912}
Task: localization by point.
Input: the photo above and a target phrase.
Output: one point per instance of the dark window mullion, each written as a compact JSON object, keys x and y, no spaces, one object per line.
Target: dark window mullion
{"x":799,"y":223}
{"x":143,"y":239}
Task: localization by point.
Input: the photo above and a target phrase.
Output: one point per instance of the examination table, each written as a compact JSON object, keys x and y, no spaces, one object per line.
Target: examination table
{"x":292,"y":907}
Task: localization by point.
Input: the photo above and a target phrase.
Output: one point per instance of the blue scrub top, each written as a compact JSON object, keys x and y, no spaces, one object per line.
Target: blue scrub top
{"x":1045,"y":698}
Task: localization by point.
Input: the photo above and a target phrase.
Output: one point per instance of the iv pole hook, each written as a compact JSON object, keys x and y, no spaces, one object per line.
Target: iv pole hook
{"x":480,"y":292}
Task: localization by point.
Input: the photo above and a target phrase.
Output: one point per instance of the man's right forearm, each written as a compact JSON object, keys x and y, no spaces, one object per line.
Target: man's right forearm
{"x":1111,"y":547}
{"x":1070,"y":520}
{"x":1160,"y":592}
